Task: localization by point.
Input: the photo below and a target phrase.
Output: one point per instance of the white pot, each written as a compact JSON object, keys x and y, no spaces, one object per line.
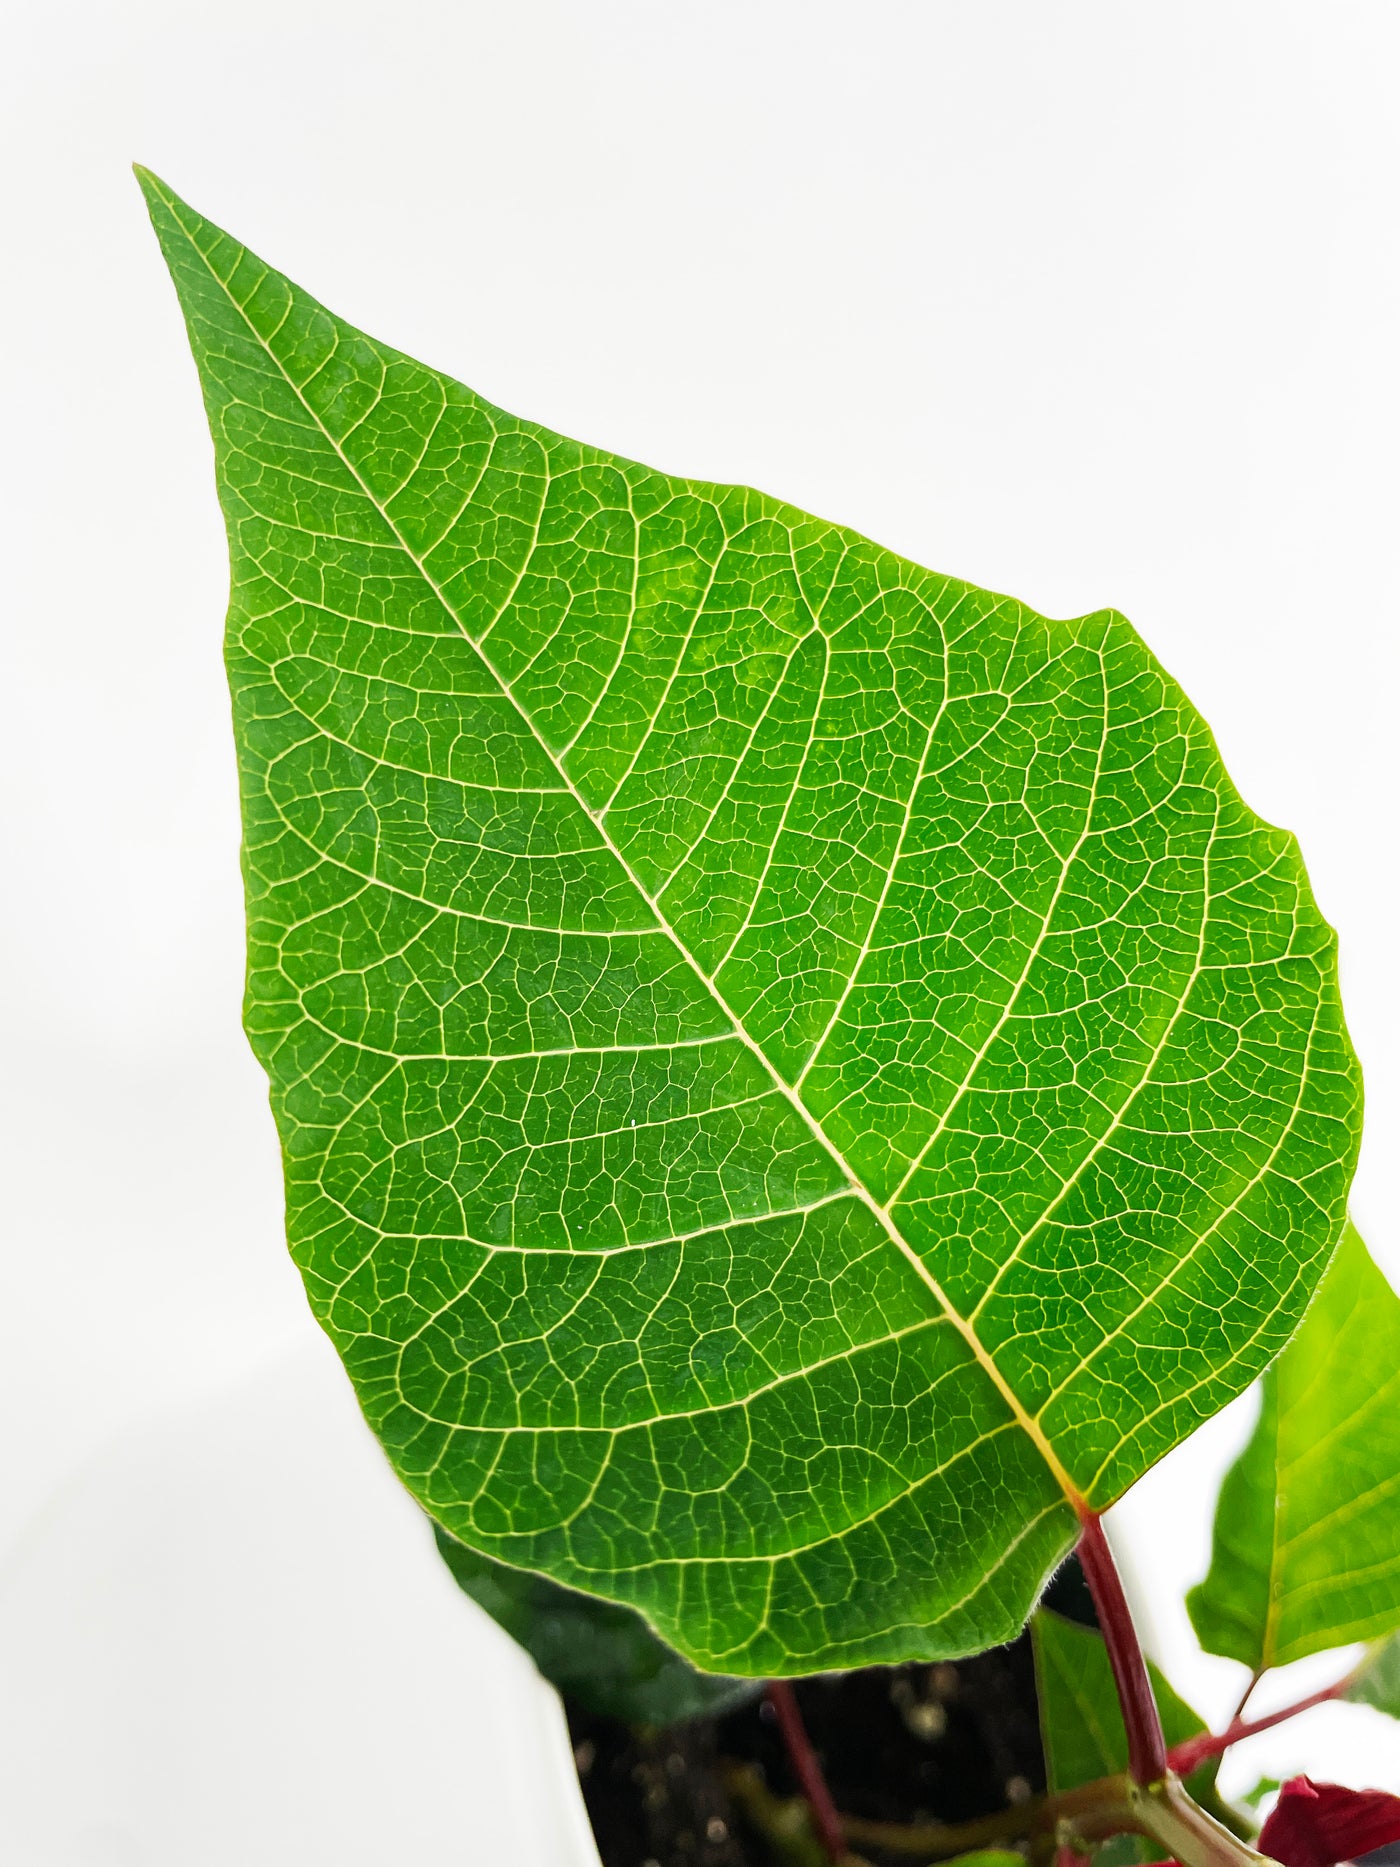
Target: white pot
{"x":233,"y":1642}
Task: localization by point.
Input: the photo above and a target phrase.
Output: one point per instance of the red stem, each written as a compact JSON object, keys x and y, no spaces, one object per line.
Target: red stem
{"x":1147,"y":1750}
{"x":807,"y":1770}
{"x":1238,"y":1713}
{"x":1183,"y":1758}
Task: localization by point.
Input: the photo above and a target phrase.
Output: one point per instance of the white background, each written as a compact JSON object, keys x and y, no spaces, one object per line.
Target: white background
{"x":1093,"y":303}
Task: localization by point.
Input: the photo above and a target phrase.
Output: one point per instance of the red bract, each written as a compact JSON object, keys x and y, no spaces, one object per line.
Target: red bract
{"x":1319,"y":1824}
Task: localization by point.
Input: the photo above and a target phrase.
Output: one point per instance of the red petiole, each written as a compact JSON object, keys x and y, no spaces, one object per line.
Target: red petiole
{"x":1147,"y":1750}
{"x":1184,"y":1758}
{"x":807,"y":1769}
{"x":1149,"y":1800}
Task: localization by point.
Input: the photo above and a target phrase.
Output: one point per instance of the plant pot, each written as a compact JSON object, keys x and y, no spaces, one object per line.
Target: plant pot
{"x":232,"y":1641}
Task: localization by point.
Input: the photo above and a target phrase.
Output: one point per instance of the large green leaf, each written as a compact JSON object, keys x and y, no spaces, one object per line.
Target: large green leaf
{"x":793,"y":1071}
{"x":603,"y":1655}
{"x":1306,"y":1551}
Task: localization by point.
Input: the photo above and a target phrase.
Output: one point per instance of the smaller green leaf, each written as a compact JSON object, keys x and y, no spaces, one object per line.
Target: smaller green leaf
{"x":1081,"y":1725}
{"x":988,"y":1857}
{"x":1376,"y":1680}
{"x":1306,"y":1551}
{"x":602,"y":1655}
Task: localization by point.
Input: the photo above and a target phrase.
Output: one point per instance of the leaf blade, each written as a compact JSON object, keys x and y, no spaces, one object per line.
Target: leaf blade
{"x":463,"y":699}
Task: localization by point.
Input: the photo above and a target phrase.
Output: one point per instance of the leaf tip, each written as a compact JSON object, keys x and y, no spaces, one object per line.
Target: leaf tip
{"x":153,"y":189}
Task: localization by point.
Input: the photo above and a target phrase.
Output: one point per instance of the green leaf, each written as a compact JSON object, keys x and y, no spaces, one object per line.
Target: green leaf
{"x":1081,"y":1724}
{"x":793,"y":1072}
{"x":1376,"y":1680}
{"x":603,"y":1655}
{"x":1306,"y":1551}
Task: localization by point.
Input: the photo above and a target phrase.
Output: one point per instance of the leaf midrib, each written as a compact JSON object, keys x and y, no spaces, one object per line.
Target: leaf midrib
{"x":1028,"y":1424}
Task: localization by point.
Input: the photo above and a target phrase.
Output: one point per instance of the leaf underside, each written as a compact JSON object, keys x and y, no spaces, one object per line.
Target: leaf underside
{"x":1306,"y":1551}
{"x":793,"y":1071}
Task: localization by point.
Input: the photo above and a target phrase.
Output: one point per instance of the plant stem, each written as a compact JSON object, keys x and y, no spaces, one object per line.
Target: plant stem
{"x":806,"y":1769}
{"x":1166,"y":1812}
{"x":785,"y":1822}
{"x":939,"y":1840}
{"x":1188,"y":1756}
{"x":1147,"y":1750}
{"x":1076,"y":1819}
{"x":1246,"y":1695}
{"x":1091,"y":1812}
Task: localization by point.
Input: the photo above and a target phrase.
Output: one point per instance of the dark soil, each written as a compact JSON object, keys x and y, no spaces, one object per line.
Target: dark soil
{"x":900,"y":1744}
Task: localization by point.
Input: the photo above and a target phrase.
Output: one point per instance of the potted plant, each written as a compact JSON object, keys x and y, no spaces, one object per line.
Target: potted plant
{"x":800,"y":1080}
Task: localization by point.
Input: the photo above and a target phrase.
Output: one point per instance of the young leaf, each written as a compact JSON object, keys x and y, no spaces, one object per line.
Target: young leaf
{"x":794,"y":1073}
{"x":1306,"y":1551}
{"x":603,"y":1655}
{"x":1376,"y":1680}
